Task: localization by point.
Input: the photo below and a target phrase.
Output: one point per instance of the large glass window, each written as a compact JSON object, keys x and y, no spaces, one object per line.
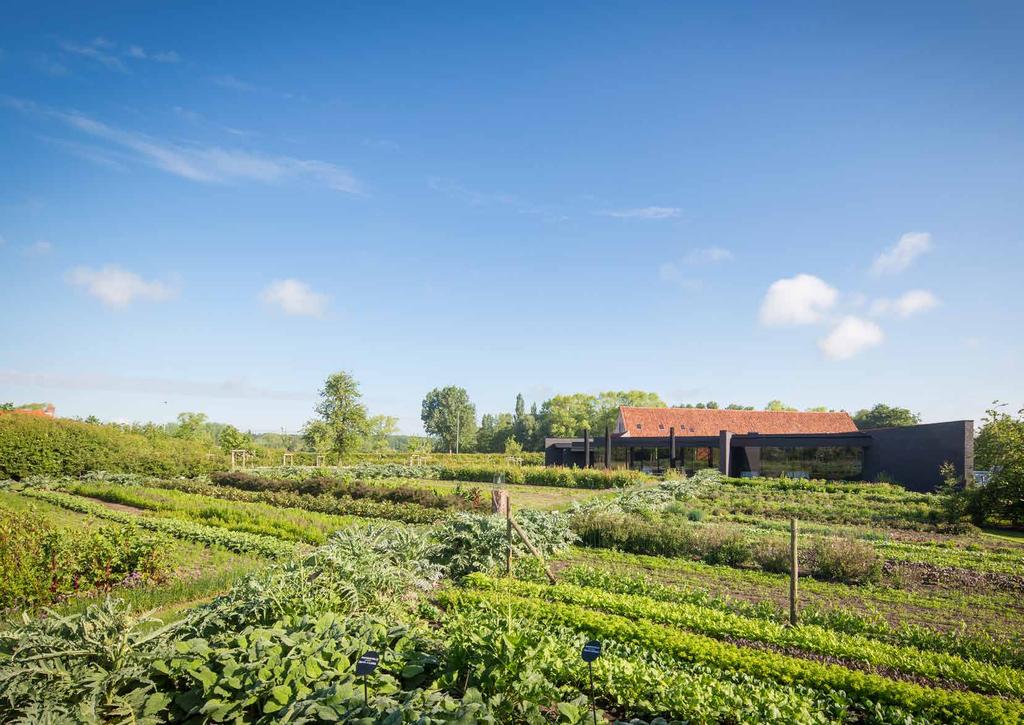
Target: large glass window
{"x":827,"y":462}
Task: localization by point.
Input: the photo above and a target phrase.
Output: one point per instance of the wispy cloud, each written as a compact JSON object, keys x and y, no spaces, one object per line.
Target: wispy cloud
{"x":45,"y":64}
{"x":294,"y":297}
{"x":38,"y":249}
{"x":111,"y":56}
{"x":647,"y":212}
{"x":906,"y":305}
{"x":118,"y":288}
{"x":849,"y":337}
{"x":206,"y":164}
{"x":708,"y":255}
{"x":901,"y":255}
{"x":681,"y":273}
{"x":147,"y":386}
{"x":800,"y":300}
{"x":233,"y":83}
{"x":99,"y":50}
{"x":457,"y":191}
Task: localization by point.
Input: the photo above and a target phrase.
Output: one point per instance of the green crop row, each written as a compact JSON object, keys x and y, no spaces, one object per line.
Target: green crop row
{"x":596,"y":478}
{"x":409,"y":513}
{"x":238,"y":541}
{"x":255,"y":518}
{"x":940,"y":666}
{"x":976,"y":647}
{"x":932,"y":702}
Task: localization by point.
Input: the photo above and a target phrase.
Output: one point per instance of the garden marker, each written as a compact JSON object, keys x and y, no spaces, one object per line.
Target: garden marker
{"x":591,"y":651}
{"x":366,"y":664}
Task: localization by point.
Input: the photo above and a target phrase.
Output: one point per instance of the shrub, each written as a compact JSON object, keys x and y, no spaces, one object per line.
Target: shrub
{"x":543,"y":476}
{"x":32,"y":445}
{"x":719,"y":545}
{"x":844,"y":560}
{"x":772,"y":555}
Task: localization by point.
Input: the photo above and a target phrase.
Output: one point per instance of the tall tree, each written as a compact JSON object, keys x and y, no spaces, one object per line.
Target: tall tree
{"x":450,"y":417}
{"x":341,"y":422}
{"x":190,"y":425}
{"x":883,"y":416}
{"x":493,"y":432}
{"x":565,"y":416}
{"x":379,"y":429}
{"x":608,"y":403}
{"x":230,"y":438}
{"x":526,"y":426}
{"x":999,"y":447}
{"x":778,"y":405}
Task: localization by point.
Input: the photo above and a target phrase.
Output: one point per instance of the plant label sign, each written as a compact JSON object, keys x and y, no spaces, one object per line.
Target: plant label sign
{"x":367,"y":663}
{"x":591,"y":651}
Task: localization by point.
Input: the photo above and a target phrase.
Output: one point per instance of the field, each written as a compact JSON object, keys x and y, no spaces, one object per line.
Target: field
{"x":248,"y":596}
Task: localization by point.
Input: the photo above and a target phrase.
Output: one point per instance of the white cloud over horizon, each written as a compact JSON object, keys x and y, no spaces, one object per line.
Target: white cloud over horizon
{"x":849,"y":337}
{"x":901,"y":255}
{"x":800,"y":300}
{"x":294,"y":297}
{"x":118,"y":288}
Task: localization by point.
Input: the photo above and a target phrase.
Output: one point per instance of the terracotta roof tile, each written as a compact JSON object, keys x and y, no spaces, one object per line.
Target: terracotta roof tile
{"x":709,"y":422}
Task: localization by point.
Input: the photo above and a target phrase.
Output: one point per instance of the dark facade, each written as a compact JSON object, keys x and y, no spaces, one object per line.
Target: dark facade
{"x":910,"y":455}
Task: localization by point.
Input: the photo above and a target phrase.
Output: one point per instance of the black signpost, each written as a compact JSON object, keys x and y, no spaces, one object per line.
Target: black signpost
{"x":364,"y":666}
{"x":591,"y":651}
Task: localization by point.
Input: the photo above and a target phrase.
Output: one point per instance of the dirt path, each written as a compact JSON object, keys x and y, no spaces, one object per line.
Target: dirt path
{"x":115,"y":506}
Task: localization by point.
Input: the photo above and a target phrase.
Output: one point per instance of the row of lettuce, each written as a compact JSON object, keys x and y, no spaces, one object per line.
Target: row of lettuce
{"x":458,"y":644}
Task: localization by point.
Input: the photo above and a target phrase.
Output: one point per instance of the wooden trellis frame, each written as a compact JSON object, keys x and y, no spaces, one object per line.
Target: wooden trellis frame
{"x":320,"y":460}
{"x":287,"y":459}
{"x":239,"y":459}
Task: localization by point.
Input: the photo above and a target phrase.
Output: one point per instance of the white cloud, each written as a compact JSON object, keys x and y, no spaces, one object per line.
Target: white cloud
{"x":647,"y":212}
{"x":98,"y":51}
{"x":908,"y":304}
{"x":38,"y":249}
{"x":708,"y":255}
{"x":850,"y":336}
{"x":205,"y":164}
{"x":233,"y":83}
{"x":798,"y":300}
{"x":160,"y":56}
{"x":117,"y":287}
{"x":896,"y":259}
{"x":295,"y":298}
{"x":150,"y":386}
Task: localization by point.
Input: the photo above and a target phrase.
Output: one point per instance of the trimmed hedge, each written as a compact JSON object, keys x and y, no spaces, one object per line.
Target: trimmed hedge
{"x":35,"y":446}
{"x":543,"y":476}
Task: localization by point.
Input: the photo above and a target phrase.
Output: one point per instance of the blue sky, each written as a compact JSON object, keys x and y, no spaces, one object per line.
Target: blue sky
{"x":213,"y":207}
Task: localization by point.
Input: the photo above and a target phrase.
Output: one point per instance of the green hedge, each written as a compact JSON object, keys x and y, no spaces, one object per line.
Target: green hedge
{"x":34,"y":446}
{"x":543,"y":476}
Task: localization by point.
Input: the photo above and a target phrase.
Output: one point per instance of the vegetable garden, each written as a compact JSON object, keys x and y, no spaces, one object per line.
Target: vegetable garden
{"x":249,"y":597}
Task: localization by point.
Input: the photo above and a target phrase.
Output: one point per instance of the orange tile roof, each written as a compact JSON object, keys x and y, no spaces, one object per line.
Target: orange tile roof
{"x":639,"y":422}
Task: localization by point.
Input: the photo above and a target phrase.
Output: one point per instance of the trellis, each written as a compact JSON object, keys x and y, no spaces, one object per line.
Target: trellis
{"x":239,"y":458}
{"x":320,"y":460}
{"x":287,"y":459}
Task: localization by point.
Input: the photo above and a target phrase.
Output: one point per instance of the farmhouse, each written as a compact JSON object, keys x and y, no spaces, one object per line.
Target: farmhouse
{"x":748,"y":443}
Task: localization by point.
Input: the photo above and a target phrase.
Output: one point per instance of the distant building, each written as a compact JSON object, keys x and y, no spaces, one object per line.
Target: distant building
{"x":748,"y":443}
{"x":46,"y":410}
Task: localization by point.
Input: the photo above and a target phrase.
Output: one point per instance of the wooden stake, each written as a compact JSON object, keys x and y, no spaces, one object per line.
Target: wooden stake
{"x":532,"y":548}
{"x":794,"y":572}
{"x":508,"y":535}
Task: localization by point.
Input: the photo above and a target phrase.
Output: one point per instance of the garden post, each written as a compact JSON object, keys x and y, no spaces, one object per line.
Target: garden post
{"x":793,"y":571}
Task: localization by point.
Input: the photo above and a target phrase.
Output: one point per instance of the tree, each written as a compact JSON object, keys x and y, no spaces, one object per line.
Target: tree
{"x":450,"y":417}
{"x":379,"y":429}
{"x":512,"y":447}
{"x":818,"y":409}
{"x":230,"y":438}
{"x":778,"y":405}
{"x":526,"y":426}
{"x":494,"y":431}
{"x":737,"y":406}
{"x":882,"y":416}
{"x":608,"y":403}
{"x":342,"y":423}
{"x":999,"y":448}
{"x":565,"y":416}
{"x":190,"y":425}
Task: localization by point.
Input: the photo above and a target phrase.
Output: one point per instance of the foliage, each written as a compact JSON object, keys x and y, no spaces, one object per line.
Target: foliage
{"x":468,"y":543}
{"x":190,"y":425}
{"x":230,"y":438}
{"x":450,"y":418}
{"x":1000,"y":448}
{"x":884,"y":416}
{"x":379,"y":429}
{"x":35,"y":445}
{"x":778,"y":405}
{"x":341,"y":423}
{"x":543,"y":476}
{"x":40,"y":565}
